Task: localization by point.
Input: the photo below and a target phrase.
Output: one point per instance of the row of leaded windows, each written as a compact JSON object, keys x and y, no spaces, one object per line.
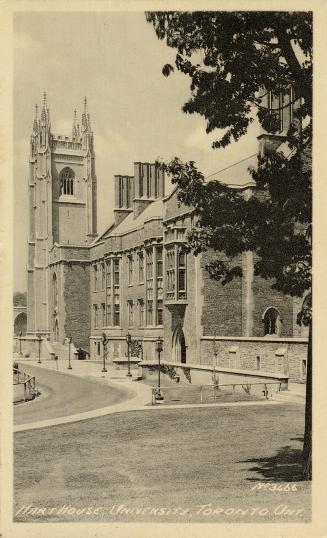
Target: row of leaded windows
{"x":132,"y":321}
{"x":96,"y":277}
{"x":116,"y":319}
{"x":281,"y":107}
{"x":110,"y":282}
{"x":96,"y":316}
{"x":175,"y":273}
{"x":149,"y":286}
{"x":130,"y":268}
{"x":108,"y":294}
{"x":99,"y":316}
{"x":141,"y":267}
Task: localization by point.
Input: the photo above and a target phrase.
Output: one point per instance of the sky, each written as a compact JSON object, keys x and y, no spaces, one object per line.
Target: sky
{"x":115,"y":60}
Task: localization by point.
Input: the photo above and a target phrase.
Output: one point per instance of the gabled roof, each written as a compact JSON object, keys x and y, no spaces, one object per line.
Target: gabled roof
{"x":154,"y":210}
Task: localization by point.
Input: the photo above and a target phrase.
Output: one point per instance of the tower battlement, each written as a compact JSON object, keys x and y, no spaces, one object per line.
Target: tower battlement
{"x":59,"y":142}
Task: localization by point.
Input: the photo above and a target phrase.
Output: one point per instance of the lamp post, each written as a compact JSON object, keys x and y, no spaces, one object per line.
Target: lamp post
{"x":104,"y":343}
{"x":69,"y":367}
{"x":128,"y":340}
{"x":159,"y":348}
{"x":39,"y":338}
{"x":20,"y":342}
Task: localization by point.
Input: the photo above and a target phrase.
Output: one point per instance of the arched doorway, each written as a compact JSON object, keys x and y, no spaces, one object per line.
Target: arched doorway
{"x":179,"y":345}
{"x":20,"y":324}
{"x":56,"y":331}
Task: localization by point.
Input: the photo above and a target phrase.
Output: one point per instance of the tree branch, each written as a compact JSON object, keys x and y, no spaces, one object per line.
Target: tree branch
{"x":293,"y":63}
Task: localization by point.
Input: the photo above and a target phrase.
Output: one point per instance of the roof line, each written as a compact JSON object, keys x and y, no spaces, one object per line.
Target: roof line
{"x":231,"y":165}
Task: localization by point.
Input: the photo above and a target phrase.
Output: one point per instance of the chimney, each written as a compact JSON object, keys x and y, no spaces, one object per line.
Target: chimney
{"x":149,"y":185}
{"x":124,"y":194}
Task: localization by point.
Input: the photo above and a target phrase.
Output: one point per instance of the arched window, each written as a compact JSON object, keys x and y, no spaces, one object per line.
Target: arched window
{"x":272,"y":322}
{"x":55,"y":290}
{"x":67,"y":181}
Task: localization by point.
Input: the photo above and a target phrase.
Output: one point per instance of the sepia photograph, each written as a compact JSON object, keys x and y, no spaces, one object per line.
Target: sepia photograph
{"x":162,"y":266}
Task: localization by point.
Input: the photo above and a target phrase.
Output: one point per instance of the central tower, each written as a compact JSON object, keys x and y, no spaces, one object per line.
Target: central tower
{"x":74,"y":214}
{"x":62,"y":204}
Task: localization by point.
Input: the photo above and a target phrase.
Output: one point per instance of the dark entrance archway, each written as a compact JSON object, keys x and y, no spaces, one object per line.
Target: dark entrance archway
{"x":20,"y":324}
{"x":179,"y":346}
{"x":183,"y":347}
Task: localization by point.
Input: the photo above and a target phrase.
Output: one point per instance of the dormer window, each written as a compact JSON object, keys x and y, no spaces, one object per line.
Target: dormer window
{"x":67,"y":182}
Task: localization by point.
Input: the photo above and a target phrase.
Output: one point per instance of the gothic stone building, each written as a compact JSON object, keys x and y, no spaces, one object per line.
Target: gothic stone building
{"x":136,"y":277}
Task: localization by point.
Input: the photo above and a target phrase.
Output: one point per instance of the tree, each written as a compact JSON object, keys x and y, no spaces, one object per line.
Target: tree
{"x":19,"y":298}
{"x":233,"y":59}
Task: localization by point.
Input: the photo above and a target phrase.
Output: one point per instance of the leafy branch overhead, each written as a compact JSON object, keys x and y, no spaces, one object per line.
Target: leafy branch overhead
{"x":231,"y":56}
{"x":233,"y":59}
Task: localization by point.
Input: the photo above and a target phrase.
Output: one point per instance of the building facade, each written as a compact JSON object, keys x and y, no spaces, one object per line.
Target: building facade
{"x":137,"y":278}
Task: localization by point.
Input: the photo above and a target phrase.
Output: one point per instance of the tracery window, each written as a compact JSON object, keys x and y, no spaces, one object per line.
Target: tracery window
{"x":67,"y":181}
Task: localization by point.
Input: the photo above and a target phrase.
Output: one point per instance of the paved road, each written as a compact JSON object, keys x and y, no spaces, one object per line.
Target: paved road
{"x":63,"y":394}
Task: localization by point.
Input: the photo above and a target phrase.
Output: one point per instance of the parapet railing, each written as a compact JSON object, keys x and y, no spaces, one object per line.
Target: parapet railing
{"x":28,"y":382}
{"x":207,"y":393}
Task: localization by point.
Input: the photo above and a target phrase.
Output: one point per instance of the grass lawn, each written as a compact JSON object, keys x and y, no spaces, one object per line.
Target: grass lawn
{"x":166,"y":459}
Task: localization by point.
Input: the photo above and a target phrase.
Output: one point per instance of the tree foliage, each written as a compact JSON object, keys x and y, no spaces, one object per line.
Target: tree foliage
{"x":233,"y":59}
{"x":243,"y":54}
{"x":231,"y":56}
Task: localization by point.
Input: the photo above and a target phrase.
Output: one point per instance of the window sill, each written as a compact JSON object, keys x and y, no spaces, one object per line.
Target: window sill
{"x":70,"y":199}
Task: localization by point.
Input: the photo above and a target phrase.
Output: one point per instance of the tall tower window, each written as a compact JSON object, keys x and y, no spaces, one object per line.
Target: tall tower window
{"x":55,"y":290}
{"x":67,"y":181}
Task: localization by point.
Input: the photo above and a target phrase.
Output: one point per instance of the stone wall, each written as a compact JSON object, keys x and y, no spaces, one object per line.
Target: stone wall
{"x":77,"y":303}
{"x":222,"y":304}
{"x":264,"y":297}
{"x":275,"y":355}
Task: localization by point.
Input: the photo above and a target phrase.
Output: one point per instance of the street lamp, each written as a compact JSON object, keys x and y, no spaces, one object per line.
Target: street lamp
{"x":20,"y":342}
{"x":104,"y":342}
{"x":69,"y":367}
{"x":128,"y":340}
{"x":39,"y":338}
{"x":159,"y":347}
